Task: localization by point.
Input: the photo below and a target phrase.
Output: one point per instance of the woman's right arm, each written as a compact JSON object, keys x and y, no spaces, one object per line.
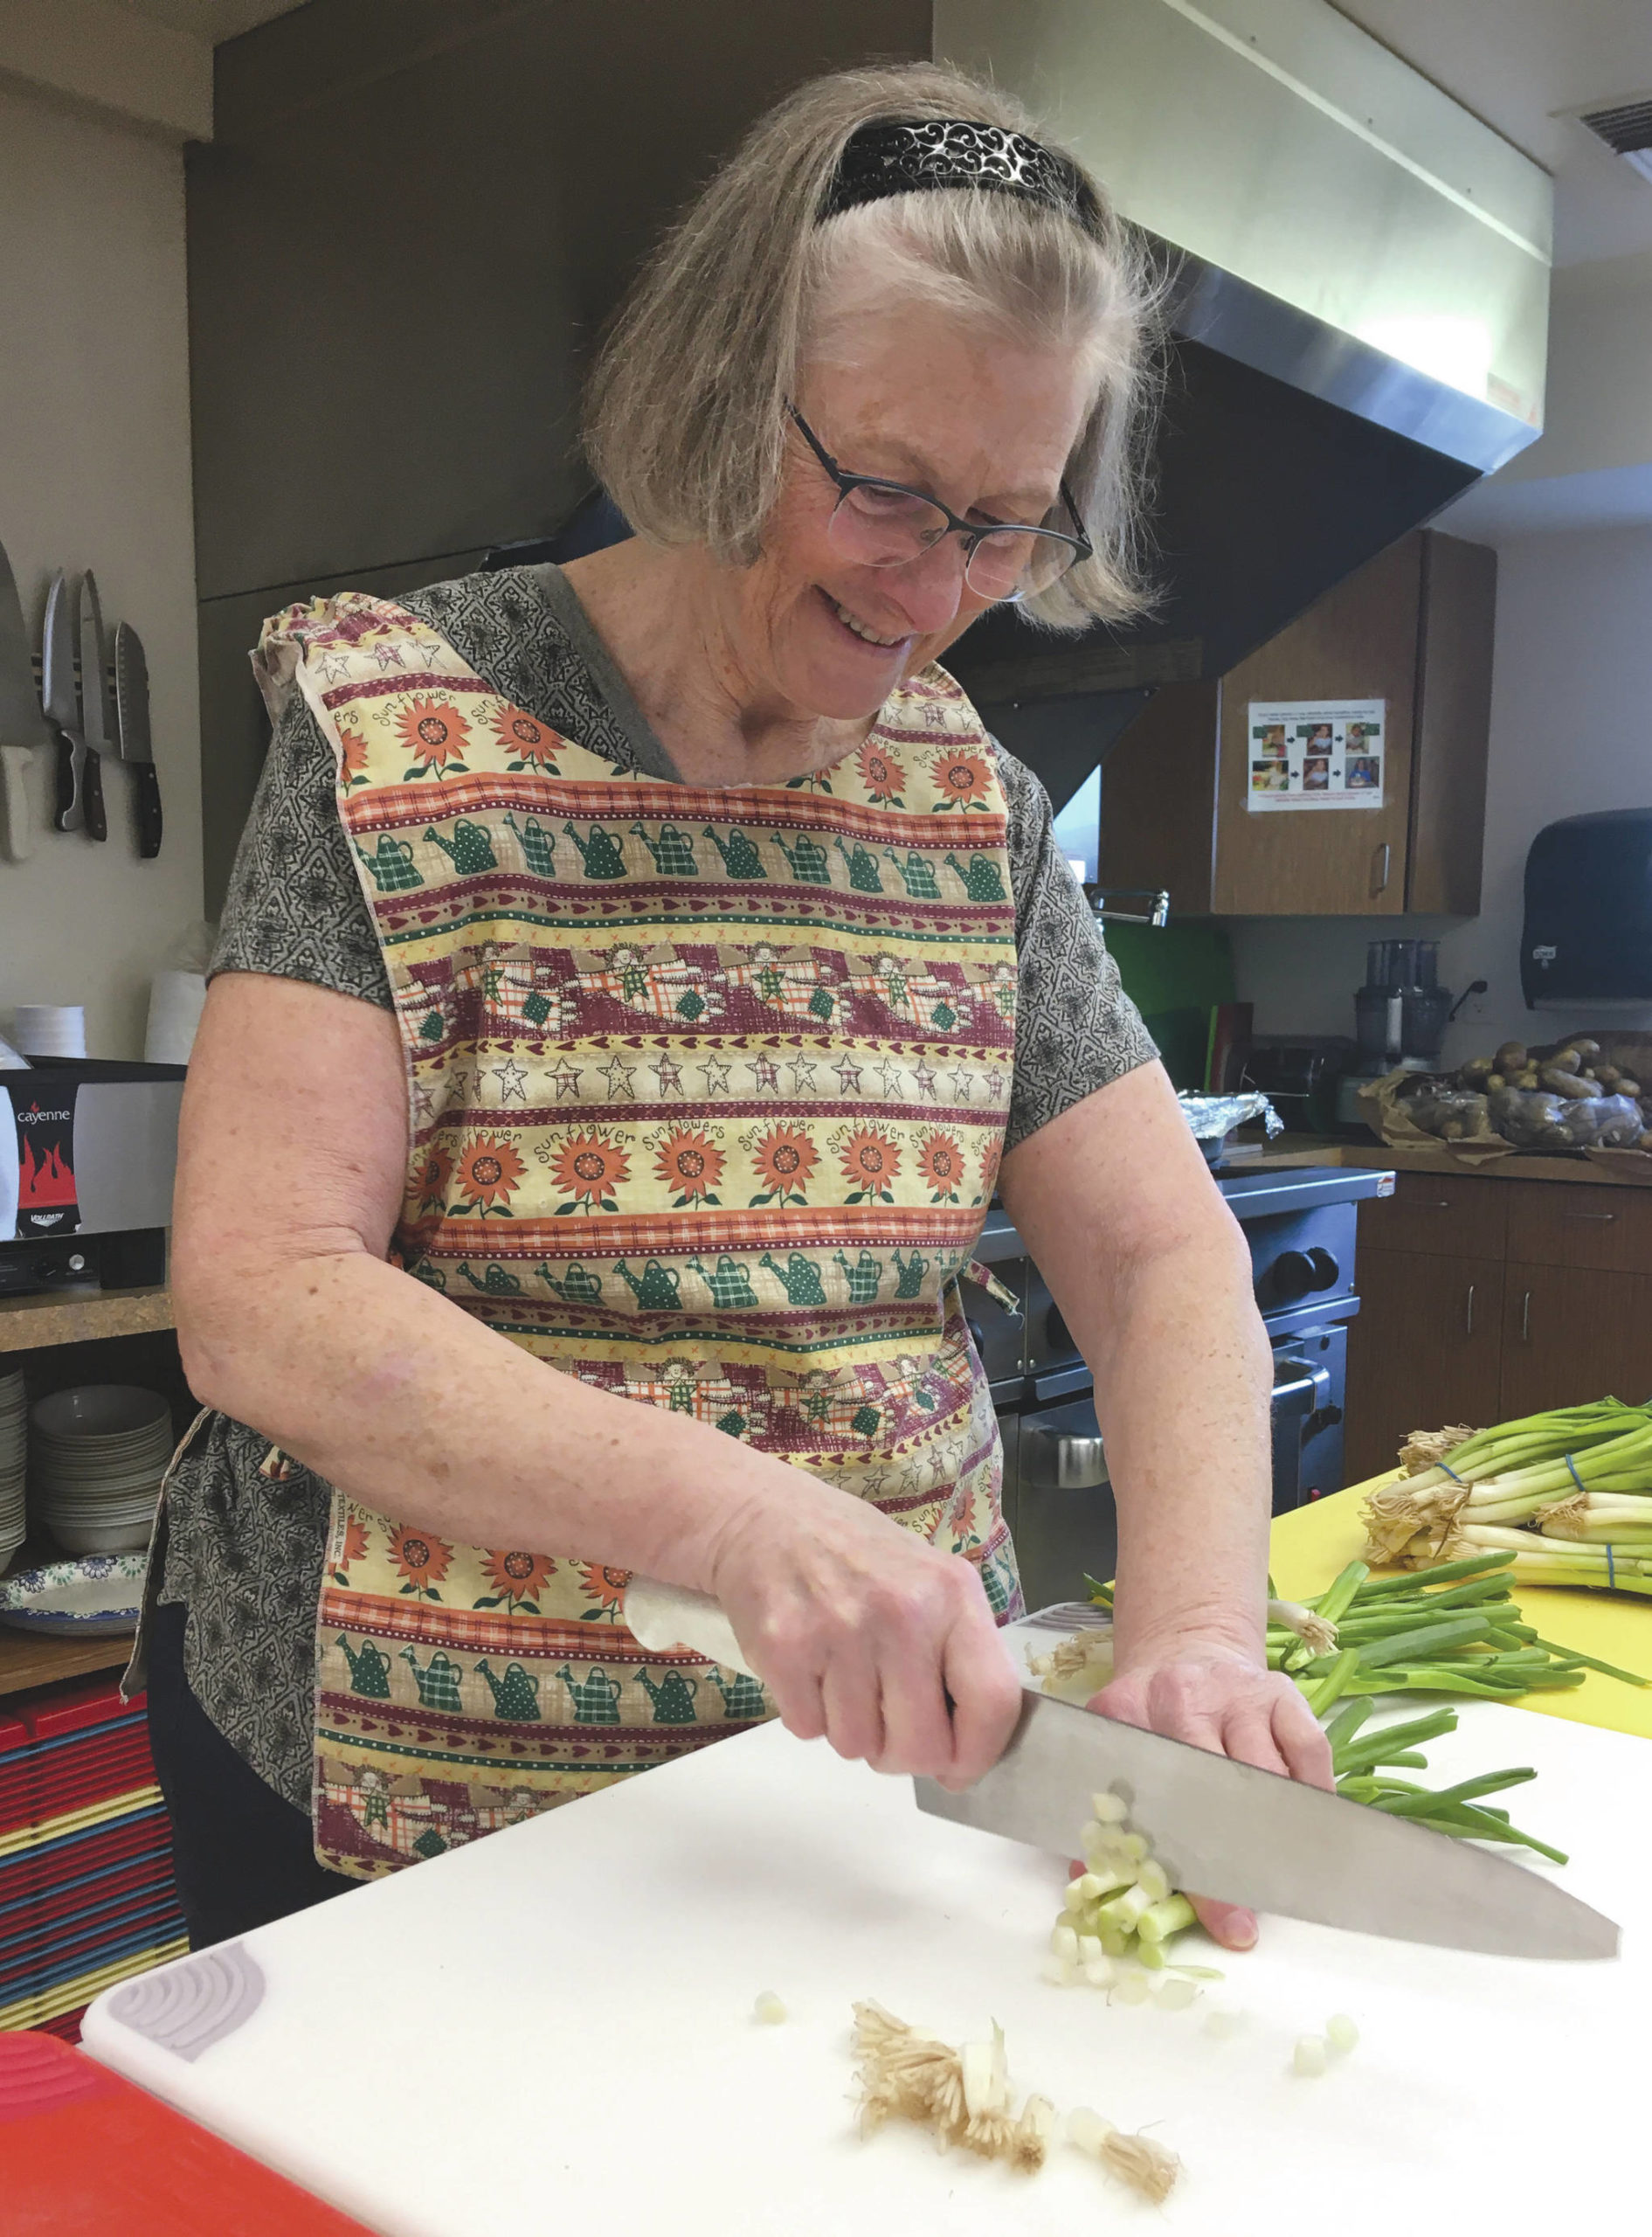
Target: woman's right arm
{"x":291,"y":1163}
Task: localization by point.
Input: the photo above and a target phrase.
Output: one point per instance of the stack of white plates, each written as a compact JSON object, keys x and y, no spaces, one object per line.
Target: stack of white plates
{"x":96,"y":1458}
{"x":13,"y":1464}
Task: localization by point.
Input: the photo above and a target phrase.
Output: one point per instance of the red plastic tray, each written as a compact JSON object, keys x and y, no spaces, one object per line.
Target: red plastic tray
{"x":81,"y":1944}
{"x":73,"y":1898}
{"x":84,"y":2154}
{"x":37,"y":1789}
{"x":73,"y":1710}
{"x":123,"y":1841}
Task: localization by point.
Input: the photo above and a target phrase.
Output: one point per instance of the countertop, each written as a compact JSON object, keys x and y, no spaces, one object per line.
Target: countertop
{"x":1312,"y":1545}
{"x":1521,"y":1165}
{"x":29,"y":1324}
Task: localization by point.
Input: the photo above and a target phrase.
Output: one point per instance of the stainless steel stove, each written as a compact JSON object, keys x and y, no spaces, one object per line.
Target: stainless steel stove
{"x":1300,"y":1227}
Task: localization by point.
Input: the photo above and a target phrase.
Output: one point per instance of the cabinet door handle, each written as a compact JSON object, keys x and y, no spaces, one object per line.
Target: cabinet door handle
{"x":1468,"y":1312}
{"x":1525,"y":1318}
{"x":1381,"y":861}
{"x":1437,"y":1204}
{"x":1603,"y":1217}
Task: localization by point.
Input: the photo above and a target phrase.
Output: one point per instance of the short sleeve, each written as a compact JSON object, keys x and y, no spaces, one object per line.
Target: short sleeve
{"x":1075,"y":1027}
{"x":296,"y":908}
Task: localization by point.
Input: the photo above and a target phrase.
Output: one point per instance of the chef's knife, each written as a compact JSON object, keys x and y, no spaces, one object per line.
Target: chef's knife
{"x":132,"y":705}
{"x":95,"y":706}
{"x":63,"y":706}
{"x":22,"y":725}
{"x":1222,"y":1828}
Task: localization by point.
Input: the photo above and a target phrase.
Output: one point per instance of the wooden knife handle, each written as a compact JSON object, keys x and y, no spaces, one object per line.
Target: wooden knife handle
{"x":97,"y":824}
{"x":14,"y":773}
{"x":68,"y":814}
{"x":146,"y":808}
{"x":663,"y":1616}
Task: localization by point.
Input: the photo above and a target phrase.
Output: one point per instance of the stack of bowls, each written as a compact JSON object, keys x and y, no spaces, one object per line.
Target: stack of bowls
{"x":96,"y":1458}
{"x":49,"y":1028}
{"x":13,"y":1464}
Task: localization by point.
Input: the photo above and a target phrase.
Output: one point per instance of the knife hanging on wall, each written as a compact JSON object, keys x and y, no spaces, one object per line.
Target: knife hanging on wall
{"x":95,"y":706}
{"x":62,"y":704}
{"x":22,"y":725}
{"x":132,"y":705}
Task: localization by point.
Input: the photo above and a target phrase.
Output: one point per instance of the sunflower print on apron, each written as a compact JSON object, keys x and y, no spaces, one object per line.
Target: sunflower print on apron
{"x":706,"y":1096}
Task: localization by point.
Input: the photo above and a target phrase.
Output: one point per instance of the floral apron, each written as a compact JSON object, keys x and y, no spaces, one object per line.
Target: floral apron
{"x":707,"y":1095}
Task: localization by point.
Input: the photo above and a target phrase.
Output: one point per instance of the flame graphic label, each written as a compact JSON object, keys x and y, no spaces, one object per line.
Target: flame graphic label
{"x":47,"y":1201}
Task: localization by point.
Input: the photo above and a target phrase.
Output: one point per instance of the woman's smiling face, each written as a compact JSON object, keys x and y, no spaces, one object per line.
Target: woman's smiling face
{"x":922,"y":398}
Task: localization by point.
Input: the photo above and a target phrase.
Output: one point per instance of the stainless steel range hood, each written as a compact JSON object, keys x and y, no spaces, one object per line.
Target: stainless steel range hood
{"x":1359,"y":320}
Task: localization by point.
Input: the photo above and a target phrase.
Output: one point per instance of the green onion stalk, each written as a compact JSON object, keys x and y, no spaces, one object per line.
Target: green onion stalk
{"x":1589,"y":1516}
{"x":1454,"y":1629}
{"x":1364,"y":1762}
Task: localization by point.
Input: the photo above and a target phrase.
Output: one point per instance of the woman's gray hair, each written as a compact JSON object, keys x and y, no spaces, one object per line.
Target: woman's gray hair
{"x":687,"y":424}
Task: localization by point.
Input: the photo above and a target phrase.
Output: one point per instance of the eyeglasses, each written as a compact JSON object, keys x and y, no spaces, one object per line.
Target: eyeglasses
{"x":878,"y":523}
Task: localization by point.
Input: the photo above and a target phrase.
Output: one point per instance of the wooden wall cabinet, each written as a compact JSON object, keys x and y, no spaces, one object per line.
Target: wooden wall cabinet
{"x":1414,"y":627}
{"x":1483,"y":1299}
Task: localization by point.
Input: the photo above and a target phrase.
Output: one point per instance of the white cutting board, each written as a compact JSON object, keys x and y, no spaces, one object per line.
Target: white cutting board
{"x":552,"y":2031}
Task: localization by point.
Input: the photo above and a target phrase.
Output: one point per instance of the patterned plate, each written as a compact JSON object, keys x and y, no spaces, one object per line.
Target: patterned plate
{"x":94,"y":1598}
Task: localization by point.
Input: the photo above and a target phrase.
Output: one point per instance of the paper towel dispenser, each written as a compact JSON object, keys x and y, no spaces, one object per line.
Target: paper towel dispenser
{"x":1588,"y":920}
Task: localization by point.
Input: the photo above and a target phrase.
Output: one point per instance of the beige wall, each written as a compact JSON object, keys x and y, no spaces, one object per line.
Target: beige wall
{"x":1598,"y":412}
{"x":94,"y":471}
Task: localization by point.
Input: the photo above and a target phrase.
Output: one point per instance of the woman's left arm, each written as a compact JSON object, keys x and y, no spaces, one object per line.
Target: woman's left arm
{"x":1152,"y":1276}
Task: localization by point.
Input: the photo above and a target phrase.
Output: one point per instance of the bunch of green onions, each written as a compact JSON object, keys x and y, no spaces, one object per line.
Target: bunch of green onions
{"x":1454,"y":1630}
{"x":1621,"y":1562}
{"x":1567,"y":1494}
{"x":1365,"y":1764}
{"x":1507,"y":1475}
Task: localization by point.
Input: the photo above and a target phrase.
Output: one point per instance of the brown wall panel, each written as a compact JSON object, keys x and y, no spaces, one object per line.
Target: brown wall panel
{"x":1447,"y":837}
{"x":401,"y":245}
{"x":234,"y":728}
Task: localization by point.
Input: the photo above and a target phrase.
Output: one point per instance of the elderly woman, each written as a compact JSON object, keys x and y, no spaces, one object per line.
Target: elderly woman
{"x":615,"y":1044}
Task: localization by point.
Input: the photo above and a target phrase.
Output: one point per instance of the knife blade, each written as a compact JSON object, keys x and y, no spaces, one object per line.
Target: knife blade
{"x":1257,"y":1838}
{"x":132,"y":706}
{"x":1222,"y":1828}
{"x":63,"y":705}
{"x":95,"y":706}
{"x":22,"y":725}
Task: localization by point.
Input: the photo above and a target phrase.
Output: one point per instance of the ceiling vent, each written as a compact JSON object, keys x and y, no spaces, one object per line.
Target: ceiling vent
{"x":1626,"y":130}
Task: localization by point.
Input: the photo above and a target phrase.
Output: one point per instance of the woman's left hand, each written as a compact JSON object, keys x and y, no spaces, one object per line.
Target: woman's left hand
{"x":1215,"y":1696}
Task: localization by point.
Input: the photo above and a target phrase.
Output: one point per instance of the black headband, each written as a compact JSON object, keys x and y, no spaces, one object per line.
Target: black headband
{"x":884,"y":159}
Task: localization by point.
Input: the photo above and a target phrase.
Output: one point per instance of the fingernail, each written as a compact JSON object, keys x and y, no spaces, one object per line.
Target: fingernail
{"x":1241,"y":1933}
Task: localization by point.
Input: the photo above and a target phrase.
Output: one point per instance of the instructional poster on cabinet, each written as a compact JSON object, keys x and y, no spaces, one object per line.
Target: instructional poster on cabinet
{"x":1314,"y":754}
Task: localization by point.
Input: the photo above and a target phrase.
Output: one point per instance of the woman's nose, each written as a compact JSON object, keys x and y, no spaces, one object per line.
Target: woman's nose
{"x":928,"y":589}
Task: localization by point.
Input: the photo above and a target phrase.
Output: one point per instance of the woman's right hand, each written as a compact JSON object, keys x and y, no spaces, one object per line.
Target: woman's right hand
{"x":867,"y":1637}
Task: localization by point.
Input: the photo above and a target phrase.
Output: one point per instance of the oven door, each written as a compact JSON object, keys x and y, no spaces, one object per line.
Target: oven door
{"x":1057,"y":1501}
{"x":1310,"y":1374}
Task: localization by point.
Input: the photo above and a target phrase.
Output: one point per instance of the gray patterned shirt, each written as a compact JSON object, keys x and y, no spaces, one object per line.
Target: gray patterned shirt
{"x":244,"y":1553}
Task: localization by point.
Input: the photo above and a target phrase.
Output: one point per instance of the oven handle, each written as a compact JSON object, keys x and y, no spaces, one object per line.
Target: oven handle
{"x":1052,"y":1462}
{"x":1311,"y":1388}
